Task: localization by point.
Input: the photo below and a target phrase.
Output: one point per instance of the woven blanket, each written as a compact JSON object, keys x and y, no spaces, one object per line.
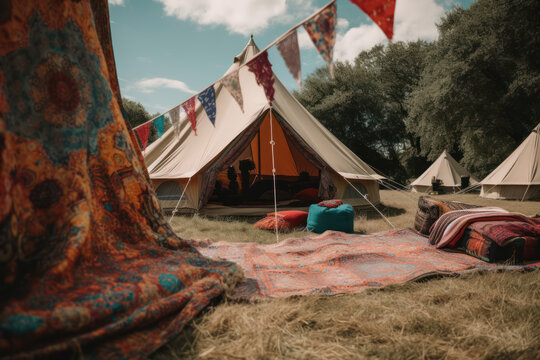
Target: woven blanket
{"x":335,"y":262}
{"x":89,"y":268}
{"x":450,"y":227}
{"x":429,"y":210}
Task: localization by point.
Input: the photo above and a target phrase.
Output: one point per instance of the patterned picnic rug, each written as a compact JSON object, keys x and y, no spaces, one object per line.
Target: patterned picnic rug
{"x":89,"y":268}
{"x":335,"y":262}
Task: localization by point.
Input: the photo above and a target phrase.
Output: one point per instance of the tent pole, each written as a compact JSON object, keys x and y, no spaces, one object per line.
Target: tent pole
{"x":259,"y":150}
{"x":272,"y":143}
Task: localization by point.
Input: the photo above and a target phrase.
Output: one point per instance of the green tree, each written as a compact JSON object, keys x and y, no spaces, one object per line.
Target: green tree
{"x":479,"y":94}
{"x":364,"y":106}
{"x":135,"y":112}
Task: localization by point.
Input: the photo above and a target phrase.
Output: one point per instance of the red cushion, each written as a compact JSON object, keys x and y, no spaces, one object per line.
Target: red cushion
{"x":331,"y":203}
{"x":293,"y":217}
{"x":309,"y":194}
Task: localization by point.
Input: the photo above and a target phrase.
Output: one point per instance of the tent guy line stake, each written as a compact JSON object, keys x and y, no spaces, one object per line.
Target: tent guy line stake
{"x":179,"y":200}
{"x":272,"y":143}
{"x":370,"y":203}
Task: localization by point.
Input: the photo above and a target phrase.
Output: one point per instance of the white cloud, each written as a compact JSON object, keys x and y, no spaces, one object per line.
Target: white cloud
{"x":304,"y":41}
{"x":413,"y":20}
{"x":238,"y":16}
{"x":116,"y":2}
{"x":149,"y":85}
{"x":342,"y":24}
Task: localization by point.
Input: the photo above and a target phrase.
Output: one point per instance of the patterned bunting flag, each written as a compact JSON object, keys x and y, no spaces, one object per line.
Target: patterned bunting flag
{"x":208,"y":100}
{"x":143,"y":132}
{"x":159,"y":125}
{"x":322,"y":31}
{"x":232,"y":84}
{"x":189,"y":107}
{"x":174,"y":114}
{"x":380,"y":11}
{"x":290,"y":52}
{"x":262,"y":69}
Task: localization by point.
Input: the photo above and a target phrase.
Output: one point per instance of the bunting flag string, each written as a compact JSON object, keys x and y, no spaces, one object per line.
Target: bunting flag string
{"x":322,"y":31}
{"x":232,"y":84}
{"x":289,"y":50}
{"x":262,"y":69}
{"x":143,"y":132}
{"x":189,"y":107}
{"x":174,"y":114}
{"x":381,"y":12}
{"x":159,"y":125}
{"x":208,"y":101}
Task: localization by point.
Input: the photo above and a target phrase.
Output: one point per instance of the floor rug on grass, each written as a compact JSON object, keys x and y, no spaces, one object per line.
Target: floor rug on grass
{"x":335,"y":262}
{"x":89,"y":268}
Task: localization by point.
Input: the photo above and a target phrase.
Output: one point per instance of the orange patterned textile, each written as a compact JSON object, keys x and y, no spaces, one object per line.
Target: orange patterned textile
{"x":88,"y":265}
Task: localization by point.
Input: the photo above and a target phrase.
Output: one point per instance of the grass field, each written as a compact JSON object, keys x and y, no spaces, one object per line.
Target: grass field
{"x":475,"y":316}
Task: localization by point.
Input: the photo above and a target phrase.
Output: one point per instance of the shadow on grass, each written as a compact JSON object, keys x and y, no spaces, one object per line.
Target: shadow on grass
{"x":388,"y":211}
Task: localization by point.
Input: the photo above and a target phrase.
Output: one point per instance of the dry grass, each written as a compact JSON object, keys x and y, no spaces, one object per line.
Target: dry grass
{"x":477,"y":316}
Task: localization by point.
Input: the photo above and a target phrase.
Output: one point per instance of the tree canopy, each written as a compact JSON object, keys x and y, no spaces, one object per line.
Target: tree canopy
{"x":474,"y":92}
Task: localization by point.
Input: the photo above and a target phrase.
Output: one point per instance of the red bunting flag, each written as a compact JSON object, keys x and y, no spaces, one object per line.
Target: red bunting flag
{"x":290,"y":52}
{"x":262,"y":69}
{"x":189,"y":107}
{"x":380,"y":11}
{"x":143,"y":132}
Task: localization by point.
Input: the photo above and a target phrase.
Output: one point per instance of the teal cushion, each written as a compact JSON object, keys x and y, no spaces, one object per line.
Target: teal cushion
{"x":321,"y":218}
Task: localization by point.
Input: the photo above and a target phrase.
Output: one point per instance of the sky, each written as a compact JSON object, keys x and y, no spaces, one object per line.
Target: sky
{"x":168,"y":50}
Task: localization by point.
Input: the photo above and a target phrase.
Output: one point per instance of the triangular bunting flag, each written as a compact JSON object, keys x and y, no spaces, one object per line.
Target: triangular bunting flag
{"x":143,"y":132}
{"x":158,"y":122}
{"x":232,"y":84}
{"x":322,"y":31}
{"x":262,"y":69}
{"x":189,"y":107}
{"x":174,"y":114}
{"x":288,"y":48}
{"x":208,"y":100}
{"x":380,"y":11}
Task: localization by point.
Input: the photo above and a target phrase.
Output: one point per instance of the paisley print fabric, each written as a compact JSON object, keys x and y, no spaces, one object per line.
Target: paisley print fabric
{"x":288,"y":48}
{"x":232,"y":84}
{"x":189,"y":107}
{"x":380,"y":11}
{"x":208,"y":100}
{"x":322,"y":31}
{"x":262,"y":69}
{"x":88,"y":265}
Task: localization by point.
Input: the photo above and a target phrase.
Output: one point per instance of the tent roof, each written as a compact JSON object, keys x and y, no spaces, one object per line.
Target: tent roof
{"x":522,"y":167}
{"x":445,"y":168}
{"x":173,"y":157}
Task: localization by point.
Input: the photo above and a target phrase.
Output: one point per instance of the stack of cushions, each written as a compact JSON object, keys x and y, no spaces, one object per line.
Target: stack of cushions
{"x":286,"y":220}
{"x":322,"y":218}
{"x":429,"y":210}
{"x":495,"y":241}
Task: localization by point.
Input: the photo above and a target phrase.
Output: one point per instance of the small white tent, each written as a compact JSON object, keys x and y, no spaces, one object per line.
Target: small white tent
{"x":517,"y":177}
{"x":192,"y":163}
{"x":447,"y":170}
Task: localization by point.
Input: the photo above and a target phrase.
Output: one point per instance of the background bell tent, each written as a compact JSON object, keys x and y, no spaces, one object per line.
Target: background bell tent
{"x":226,"y":167}
{"x":448,"y":175}
{"x":518,"y":176}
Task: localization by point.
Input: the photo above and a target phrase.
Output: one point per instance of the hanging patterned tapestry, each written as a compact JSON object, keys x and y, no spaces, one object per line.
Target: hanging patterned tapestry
{"x":232,"y":84}
{"x":189,"y":107}
{"x":322,"y":31}
{"x":262,"y":69}
{"x":288,"y":48}
{"x":208,"y":100}
{"x":89,"y":268}
{"x":380,"y":11}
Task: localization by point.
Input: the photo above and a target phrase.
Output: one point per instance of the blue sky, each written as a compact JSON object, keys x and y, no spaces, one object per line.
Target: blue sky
{"x":167,"y":50}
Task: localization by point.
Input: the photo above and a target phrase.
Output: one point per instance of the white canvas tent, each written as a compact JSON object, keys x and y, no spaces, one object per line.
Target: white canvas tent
{"x":517,"y":177}
{"x":447,"y":170}
{"x":191,"y":163}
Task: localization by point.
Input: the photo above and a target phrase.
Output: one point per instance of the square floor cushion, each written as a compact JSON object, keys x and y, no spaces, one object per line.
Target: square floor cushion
{"x":286,"y":220}
{"x":322,"y":218}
